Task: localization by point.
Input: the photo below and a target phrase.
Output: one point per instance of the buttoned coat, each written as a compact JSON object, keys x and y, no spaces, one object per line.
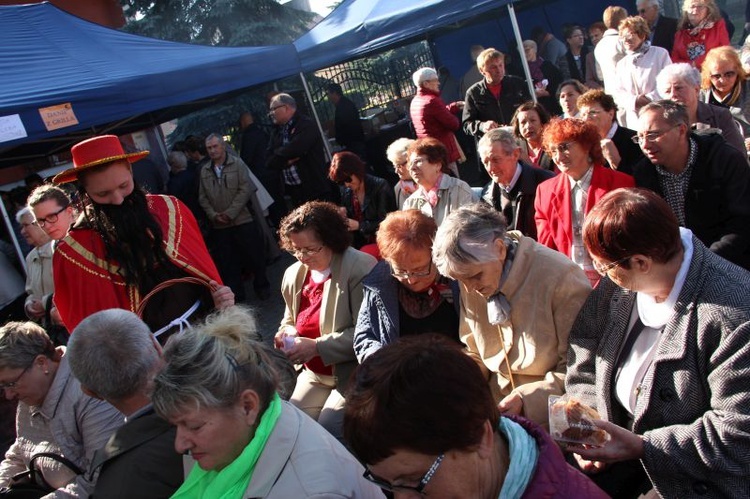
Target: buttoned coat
{"x":554,"y":208}
{"x":692,"y":410}
{"x":342,"y":298}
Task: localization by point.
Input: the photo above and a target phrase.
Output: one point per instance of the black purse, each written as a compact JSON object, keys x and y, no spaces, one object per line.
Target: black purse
{"x":31,"y":484}
{"x":57,"y":333}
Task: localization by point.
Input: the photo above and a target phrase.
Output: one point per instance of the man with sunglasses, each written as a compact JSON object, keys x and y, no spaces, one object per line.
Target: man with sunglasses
{"x":704,"y":180}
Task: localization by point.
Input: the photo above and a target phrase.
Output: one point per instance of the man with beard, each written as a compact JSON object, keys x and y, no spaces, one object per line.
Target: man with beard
{"x":126,"y":242}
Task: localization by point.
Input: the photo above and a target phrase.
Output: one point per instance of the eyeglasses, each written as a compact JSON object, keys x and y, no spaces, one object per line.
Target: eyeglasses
{"x":401,"y":164}
{"x":697,"y":7}
{"x":650,"y":136}
{"x":560,"y":148}
{"x":603,"y":269}
{"x":405,"y":488}
{"x":405,"y":275}
{"x":49,"y":219}
{"x":726,"y":75}
{"x":12,"y":384}
{"x":274,"y":108}
{"x":641,"y":11}
{"x":304,"y":253}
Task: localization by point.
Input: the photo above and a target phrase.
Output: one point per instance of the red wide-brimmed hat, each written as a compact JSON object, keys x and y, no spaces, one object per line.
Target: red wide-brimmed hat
{"x":94,"y":152}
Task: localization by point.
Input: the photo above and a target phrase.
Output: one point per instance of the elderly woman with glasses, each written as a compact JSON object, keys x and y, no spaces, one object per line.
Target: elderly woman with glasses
{"x":661,"y":348}
{"x":323,"y":295}
{"x":218,"y":388}
{"x":404,"y":294}
{"x":562,"y":202}
{"x":699,"y":29}
{"x":438,"y":193}
{"x":518,"y":302}
{"x":724,"y":83}
{"x":365,"y":199}
{"x":636,"y":72}
{"x":53,"y":415}
{"x":398,"y":154}
{"x":425,"y":424}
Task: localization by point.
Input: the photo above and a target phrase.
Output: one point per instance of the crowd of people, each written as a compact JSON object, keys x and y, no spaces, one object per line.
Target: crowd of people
{"x":427,"y":325}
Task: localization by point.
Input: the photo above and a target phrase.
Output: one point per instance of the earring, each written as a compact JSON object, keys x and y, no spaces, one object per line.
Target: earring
{"x":46,"y":372}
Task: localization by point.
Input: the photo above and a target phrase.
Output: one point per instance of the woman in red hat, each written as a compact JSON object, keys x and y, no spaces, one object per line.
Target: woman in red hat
{"x":127,"y":242}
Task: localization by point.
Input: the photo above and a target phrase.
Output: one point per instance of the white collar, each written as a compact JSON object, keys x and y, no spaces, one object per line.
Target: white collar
{"x":656,"y":315}
{"x":612,"y":130}
{"x":513,"y":181}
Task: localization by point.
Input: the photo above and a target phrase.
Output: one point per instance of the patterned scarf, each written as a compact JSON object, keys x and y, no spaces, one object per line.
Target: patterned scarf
{"x":422,"y":304}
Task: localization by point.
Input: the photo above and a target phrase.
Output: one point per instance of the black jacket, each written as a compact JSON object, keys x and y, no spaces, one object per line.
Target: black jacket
{"x":569,"y":68}
{"x":347,"y":124}
{"x":664,"y":32}
{"x":518,"y":206}
{"x":717,"y":205}
{"x":253,"y":146}
{"x":379,"y":201}
{"x":480,"y":105}
{"x":630,"y":152}
{"x":306,"y":146}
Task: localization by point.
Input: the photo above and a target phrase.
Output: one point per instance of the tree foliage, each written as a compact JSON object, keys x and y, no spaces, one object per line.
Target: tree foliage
{"x":229,"y":23}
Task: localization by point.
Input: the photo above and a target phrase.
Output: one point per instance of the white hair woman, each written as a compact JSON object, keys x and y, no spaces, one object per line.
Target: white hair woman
{"x":398,"y":154}
{"x":219,"y":389}
{"x":518,"y":302}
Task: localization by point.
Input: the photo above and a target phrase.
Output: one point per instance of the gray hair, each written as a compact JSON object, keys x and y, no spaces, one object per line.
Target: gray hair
{"x":177,"y":161}
{"x":284,"y":99}
{"x":422,"y":75}
{"x":215,"y":135}
{"x":672,"y":112}
{"x":503,"y":136}
{"x":649,"y":3}
{"x":22,"y":213}
{"x":529,"y":44}
{"x":212,"y":364}
{"x":112,"y":353}
{"x":678,"y":71}
{"x":466,"y":237}
{"x":398,"y":147}
{"x":21,"y":343}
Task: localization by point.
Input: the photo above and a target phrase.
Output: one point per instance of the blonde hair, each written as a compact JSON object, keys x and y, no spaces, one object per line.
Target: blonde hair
{"x":487,"y":55}
{"x":713,"y":13}
{"x":723,"y":54}
{"x":636,"y":24}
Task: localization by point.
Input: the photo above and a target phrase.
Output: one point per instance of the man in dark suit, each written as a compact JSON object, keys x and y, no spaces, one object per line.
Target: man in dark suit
{"x":512,"y":187}
{"x":662,"y":28}
{"x":115,"y":357}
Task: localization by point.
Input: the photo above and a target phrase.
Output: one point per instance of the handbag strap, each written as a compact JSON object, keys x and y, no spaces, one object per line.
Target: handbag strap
{"x":168,"y":283}
{"x":36,"y":474}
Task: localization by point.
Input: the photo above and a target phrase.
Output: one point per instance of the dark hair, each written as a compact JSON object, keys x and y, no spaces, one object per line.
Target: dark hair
{"x":195,"y":144}
{"x":433,"y":149}
{"x":422,"y":393}
{"x":321,"y":217}
{"x":598,"y":25}
{"x":49,"y":192}
{"x":345,"y":164}
{"x":544,"y":116}
{"x":568,"y":30}
{"x":626,"y":222}
{"x":572,"y":129}
{"x":580,"y":87}
{"x":334,"y":88}
{"x":405,"y":231}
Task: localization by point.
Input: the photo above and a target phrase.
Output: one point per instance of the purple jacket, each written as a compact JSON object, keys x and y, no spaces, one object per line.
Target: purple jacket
{"x":554,"y":478}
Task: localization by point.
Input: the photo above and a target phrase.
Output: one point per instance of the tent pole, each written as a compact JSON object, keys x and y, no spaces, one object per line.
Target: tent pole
{"x":12,"y":234}
{"x":326,"y":145}
{"x":519,"y":44}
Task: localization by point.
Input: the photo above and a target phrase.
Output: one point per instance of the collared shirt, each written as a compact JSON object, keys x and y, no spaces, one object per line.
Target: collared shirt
{"x":675,"y":185}
{"x":612,"y":130}
{"x":290,"y":173}
{"x":579,"y":195}
{"x":514,"y":180}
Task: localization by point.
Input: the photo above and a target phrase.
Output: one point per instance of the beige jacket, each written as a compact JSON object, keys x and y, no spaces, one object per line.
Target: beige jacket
{"x":545,"y":291}
{"x":228,"y":194}
{"x":342,"y":297}
{"x":39,"y":282}
{"x":452,"y":194}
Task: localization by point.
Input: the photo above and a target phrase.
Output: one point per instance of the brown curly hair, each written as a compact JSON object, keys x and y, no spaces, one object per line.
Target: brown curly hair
{"x":323,"y":218}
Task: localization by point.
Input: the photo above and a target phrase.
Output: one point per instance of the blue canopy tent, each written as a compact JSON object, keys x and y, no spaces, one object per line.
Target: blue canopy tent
{"x":106,"y":78}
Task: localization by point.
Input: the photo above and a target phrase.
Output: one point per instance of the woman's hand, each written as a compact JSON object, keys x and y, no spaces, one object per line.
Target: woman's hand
{"x":222,"y":295}
{"x":611,"y":154}
{"x":589,"y":467}
{"x":35,"y":309}
{"x":352,"y":224}
{"x":623,"y":446}
{"x":511,"y":404}
{"x":303,"y":350}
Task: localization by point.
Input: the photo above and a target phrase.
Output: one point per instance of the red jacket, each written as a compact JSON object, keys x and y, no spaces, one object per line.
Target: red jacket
{"x":432,"y":118}
{"x":693,"y":49}
{"x":85,"y":282}
{"x":554,"y":209}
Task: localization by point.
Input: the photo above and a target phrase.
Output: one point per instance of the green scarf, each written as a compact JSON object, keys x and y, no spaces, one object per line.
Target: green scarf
{"x":232,"y":481}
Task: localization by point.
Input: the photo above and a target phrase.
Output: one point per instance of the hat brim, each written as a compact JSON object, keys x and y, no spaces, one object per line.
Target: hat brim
{"x":71,"y":174}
